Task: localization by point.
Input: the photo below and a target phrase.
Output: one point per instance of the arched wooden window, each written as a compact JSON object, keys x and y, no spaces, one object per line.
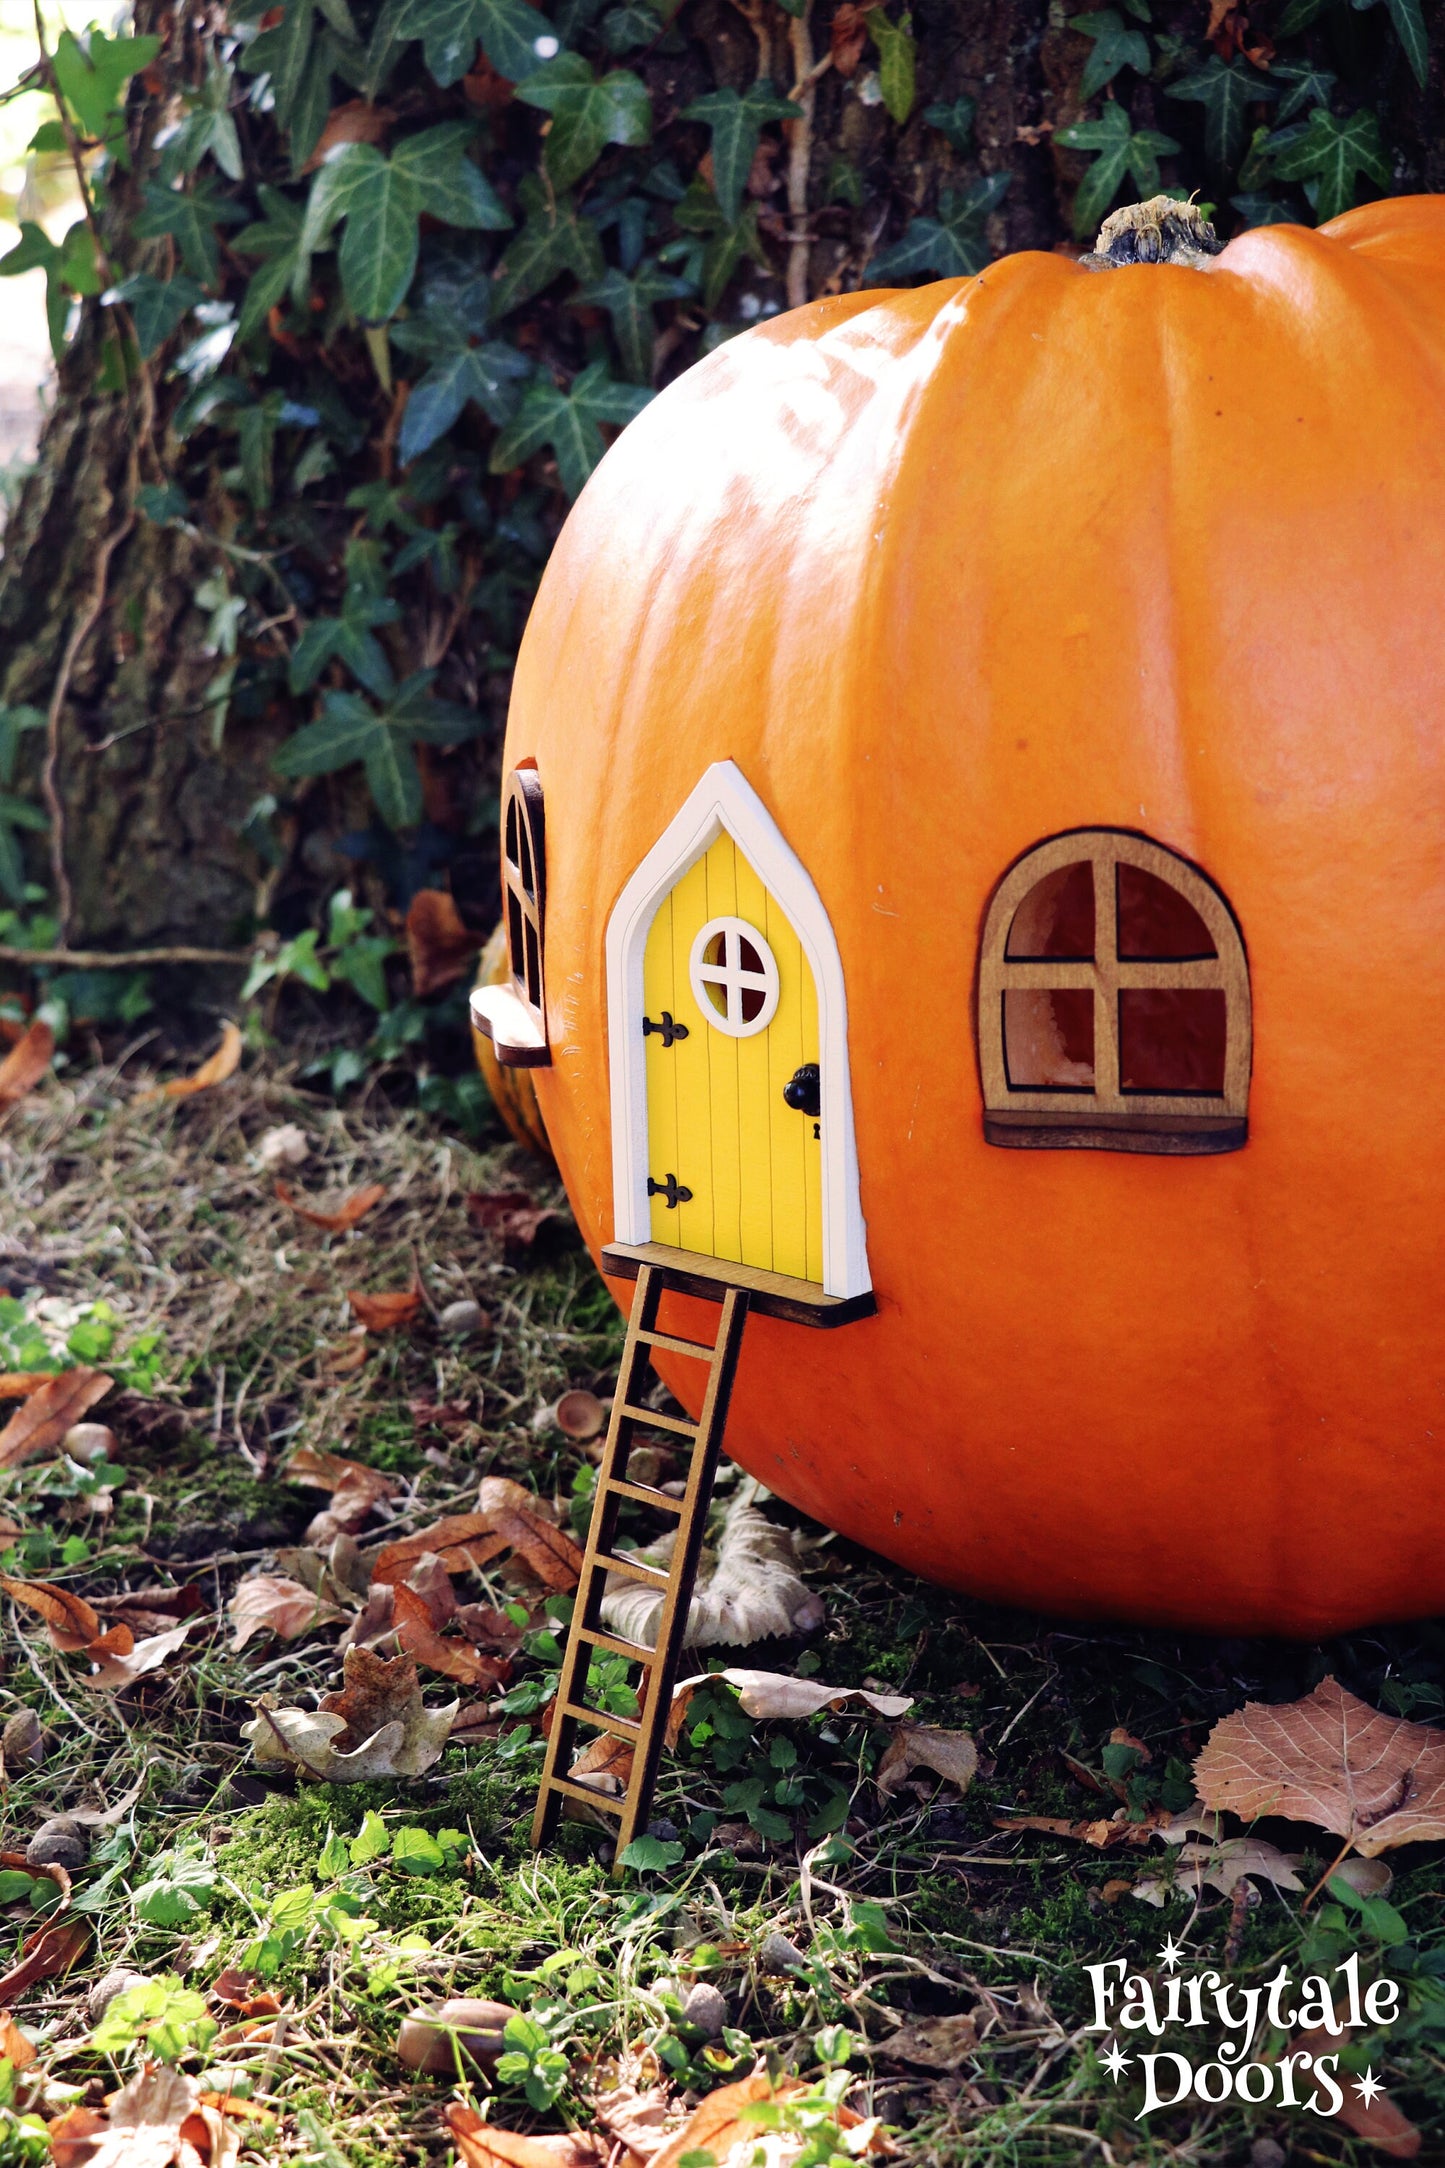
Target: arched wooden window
{"x":1113,"y":1004}
{"x":515,"y":1017}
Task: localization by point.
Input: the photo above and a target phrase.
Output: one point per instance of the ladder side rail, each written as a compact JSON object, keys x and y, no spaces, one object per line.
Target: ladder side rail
{"x":677,"y":1602}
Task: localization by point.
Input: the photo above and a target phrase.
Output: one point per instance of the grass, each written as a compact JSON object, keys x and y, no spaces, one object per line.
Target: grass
{"x":902,"y":1910}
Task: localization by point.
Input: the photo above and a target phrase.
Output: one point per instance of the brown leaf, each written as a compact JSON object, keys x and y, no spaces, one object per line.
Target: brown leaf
{"x":452,"y":1658}
{"x":271,"y":1600}
{"x":14,"y":2047}
{"x":775,"y":1694}
{"x":355,"y":1490}
{"x":1330,"y":1760}
{"x":358,"y":121}
{"x":20,"y":1384}
{"x":52,"y":1949}
{"x":715,"y":2127}
{"x":26,"y":1063}
{"x":486,"y":2145}
{"x":950,"y":1754}
{"x":347,"y":1214}
{"x":40,"y":1423}
{"x":70,"y":1622}
{"x":377,"y":1726}
{"x":222,"y":1064}
{"x":151,"y":1610}
{"x":121,"y":1667}
{"x":1379,"y":2122}
{"x":439,"y":945}
{"x":1104,"y":1836}
{"x":932,"y":2043}
{"x":849,"y":35}
{"x":1222,"y":1866}
{"x":143,"y":2125}
{"x":511,"y":1214}
{"x":485,"y":88}
{"x":460,"y":1541}
{"x":549,"y":1551}
{"x":73,"y":2136}
{"x":385,"y":1313}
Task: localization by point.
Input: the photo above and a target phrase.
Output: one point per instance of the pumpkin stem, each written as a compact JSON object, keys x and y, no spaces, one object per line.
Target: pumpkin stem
{"x":1159,"y":231}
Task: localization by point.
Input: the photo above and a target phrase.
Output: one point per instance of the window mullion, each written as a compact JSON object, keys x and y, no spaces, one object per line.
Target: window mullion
{"x":1106,"y":983}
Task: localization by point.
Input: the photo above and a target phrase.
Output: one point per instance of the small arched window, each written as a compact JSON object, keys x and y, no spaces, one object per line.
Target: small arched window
{"x":1113,"y":1006}
{"x":515,"y":1017}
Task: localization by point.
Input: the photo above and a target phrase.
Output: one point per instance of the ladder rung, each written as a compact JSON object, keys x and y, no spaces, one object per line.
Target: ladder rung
{"x":653,"y":1421}
{"x":610,"y":1802}
{"x":671,"y":1345}
{"x":631,"y":1569}
{"x":644,"y":1493}
{"x":621,"y":1727}
{"x":632,"y":1650}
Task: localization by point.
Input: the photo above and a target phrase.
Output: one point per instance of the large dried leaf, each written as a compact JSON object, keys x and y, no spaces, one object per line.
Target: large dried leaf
{"x":51,"y":1950}
{"x":271,"y":1601}
{"x":519,"y":1519}
{"x":461,"y":1540}
{"x":26,"y":1063}
{"x":485,"y":2145}
{"x":932,"y":2043}
{"x":1330,"y":1760}
{"x":347,"y":1214}
{"x":70,"y":1623}
{"x":355,"y":1491}
{"x":377,"y":1726}
{"x":949,"y":1754}
{"x":440,"y":946}
{"x":20,"y":1384}
{"x":1379,"y":2122}
{"x":717,"y":2126}
{"x":143,"y":2126}
{"x":385,"y":1313}
{"x":749,"y":1591}
{"x":221,"y":1066}
{"x":40,"y":1424}
{"x":775,"y":1694}
{"x":444,"y":1653}
{"x":512,"y":1214}
{"x":115,"y":1665}
{"x":1222,"y":1866}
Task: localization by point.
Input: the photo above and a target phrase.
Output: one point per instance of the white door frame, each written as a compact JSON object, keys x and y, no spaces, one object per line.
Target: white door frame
{"x":725,"y":803}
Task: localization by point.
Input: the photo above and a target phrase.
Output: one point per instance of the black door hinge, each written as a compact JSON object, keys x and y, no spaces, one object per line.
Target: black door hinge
{"x":667,"y":1031}
{"x":671,"y":1192}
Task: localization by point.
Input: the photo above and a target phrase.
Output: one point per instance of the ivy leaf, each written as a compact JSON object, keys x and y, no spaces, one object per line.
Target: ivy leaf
{"x":283,"y":53}
{"x":93,"y":75}
{"x":460,"y":374}
{"x":208,"y":126}
{"x":568,"y":421}
{"x":587,"y":114}
{"x":1262,"y":210}
{"x":347,"y":639}
{"x":157,"y":306}
{"x":950,"y":246}
{"x":629,"y":303}
{"x":1298,"y":16}
{"x":36,"y":251}
{"x":896,"y":53}
{"x":350,"y":730}
{"x":189,"y":217}
{"x":446,"y":183}
{"x":1226,"y":93}
{"x":553,"y":239}
{"x":15,"y":812}
{"x":1409,"y":21}
{"x":737,"y":126}
{"x":1332,"y":152}
{"x":954,"y":121}
{"x":513,"y":36}
{"x":1309,"y":85}
{"x":1116,"y":46}
{"x":625,"y":28}
{"x":725,"y":241}
{"x":1120,"y":151}
{"x":377,"y":198}
{"x":277,"y":239}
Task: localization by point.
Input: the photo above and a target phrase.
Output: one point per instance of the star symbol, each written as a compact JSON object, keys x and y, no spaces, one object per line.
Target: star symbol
{"x":1116,"y":2062}
{"x":1367,"y":2087}
{"x":1171,"y":1953}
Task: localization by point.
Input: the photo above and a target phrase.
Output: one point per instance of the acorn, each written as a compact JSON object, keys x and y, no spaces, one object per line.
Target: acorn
{"x":60,"y":1842}
{"x":432,"y":2039}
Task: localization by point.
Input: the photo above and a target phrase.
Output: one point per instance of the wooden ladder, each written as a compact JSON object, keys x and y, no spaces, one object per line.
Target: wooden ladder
{"x":647,"y":1732}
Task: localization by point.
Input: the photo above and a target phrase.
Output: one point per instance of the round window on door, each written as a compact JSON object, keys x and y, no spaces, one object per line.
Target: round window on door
{"x":734,"y":977}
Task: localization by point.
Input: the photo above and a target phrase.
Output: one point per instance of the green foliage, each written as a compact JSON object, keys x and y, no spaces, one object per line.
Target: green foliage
{"x":897,"y":71}
{"x":736,"y":125}
{"x":178,"y":1891}
{"x":1116,"y":46}
{"x":161,"y":2016}
{"x":953,"y":245}
{"x":1123,"y":153}
{"x":531,"y":2062}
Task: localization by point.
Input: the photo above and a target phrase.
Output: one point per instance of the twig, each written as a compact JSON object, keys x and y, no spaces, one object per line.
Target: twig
{"x":120,"y":959}
{"x":72,"y":144}
{"x":800,"y":155}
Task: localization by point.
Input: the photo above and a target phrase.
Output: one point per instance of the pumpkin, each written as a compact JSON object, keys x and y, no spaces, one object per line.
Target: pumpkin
{"x":513,"y":1092}
{"x":947,"y":573}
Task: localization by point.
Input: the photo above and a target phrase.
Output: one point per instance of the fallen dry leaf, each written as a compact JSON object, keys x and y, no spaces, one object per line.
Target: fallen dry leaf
{"x":717,"y":2126}
{"x":270,"y":1600}
{"x":20,"y":1384}
{"x":847,"y":37}
{"x":385,"y":1313}
{"x":1379,"y":2122}
{"x":932,"y":2043}
{"x":517,"y":1517}
{"x":377,"y":1726}
{"x":222,"y":1064}
{"x":775,"y":1694}
{"x":452,"y":1657}
{"x":511,"y":1214}
{"x":39,"y":1424}
{"x":1222,"y":1866}
{"x":70,"y":1623}
{"x":355,"y":1491}
{"x":348,"y":1213}
{"x":486,"y":2145}
{"x":116,"y":1665}
{"x":1104,"y":1835}
{"x":748,"y":1590}
{"x":439,"y":944}
{"x":141,"y":2129}
{"x":461,"y":1540}
{"x":1330,"y":1760}
{"x":51,"y":1950}
{"x":358,"y":121}
{"x":14,"y":2047}
{"x":950,"y":1754}
{"x":26,"y":1063}
{"x":151,"y":1610}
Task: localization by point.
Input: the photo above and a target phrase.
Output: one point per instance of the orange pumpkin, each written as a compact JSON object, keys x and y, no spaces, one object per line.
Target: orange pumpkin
{"x":513,"y":1092}
{"x":1154,"y":553}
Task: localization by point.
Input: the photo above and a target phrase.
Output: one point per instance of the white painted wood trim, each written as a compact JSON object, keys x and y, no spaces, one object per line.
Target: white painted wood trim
{"x":724,"y":802}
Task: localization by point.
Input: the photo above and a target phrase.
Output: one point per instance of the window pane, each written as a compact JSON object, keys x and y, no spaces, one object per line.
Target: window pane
{"x":1056,"y":917}
{"x":1048,"y":1038}
{"x":1155,"y":921}
{"x":1172,"y":1039}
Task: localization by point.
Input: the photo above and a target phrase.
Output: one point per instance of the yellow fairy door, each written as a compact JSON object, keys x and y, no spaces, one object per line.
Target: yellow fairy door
{"x":731,"y":1035}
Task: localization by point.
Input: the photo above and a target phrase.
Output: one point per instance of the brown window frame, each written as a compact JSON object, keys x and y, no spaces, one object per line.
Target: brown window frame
{"x":1105,"y":1118}
{"x":524,"y":887}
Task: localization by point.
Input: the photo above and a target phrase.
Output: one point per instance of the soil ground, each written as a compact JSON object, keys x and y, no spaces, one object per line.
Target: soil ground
{"x":901,"y":1910}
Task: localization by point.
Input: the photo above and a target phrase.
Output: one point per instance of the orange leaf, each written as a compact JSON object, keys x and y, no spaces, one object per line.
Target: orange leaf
{"x":358,"y":121}
{"x":486,"y":2145}
{"x":119,"y":1667}
{"x":453,"y":1659}
{"x":439,"y":945}
{"x":353,"y":1208}
{"x":40,"y":1424}
{"x":25,"y":1064}
{"x":50,"y":1950}
{"x":20,"y":1384}
{"x":384,"y":1313}
{"x":715,"y":2127}
{"x":461,"y":1540}
{"x":16,"y":2049}
{"x":69,"y":1620}
{"x":222,"y":1064}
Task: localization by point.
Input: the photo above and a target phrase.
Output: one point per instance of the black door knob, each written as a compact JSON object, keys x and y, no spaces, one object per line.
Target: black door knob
{"x":803,"y":1090}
